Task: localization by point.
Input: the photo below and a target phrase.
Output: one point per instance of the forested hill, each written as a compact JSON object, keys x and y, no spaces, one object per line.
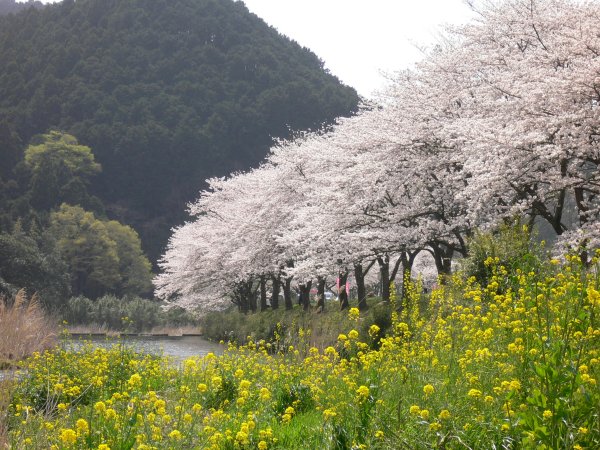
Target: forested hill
{"x":165,"y":92}
{"x":11,"y":6}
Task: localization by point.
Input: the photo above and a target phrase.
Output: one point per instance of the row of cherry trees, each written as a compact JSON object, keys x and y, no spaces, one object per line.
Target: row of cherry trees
{"x":500,"y":119}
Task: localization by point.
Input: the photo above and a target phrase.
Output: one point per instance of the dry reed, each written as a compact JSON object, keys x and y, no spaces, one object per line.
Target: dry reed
{"x":24,"y":329}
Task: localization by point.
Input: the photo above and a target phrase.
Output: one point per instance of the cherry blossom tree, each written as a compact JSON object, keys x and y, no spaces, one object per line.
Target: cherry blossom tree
{"x":499,"y":119}
{"x":525,"y":90}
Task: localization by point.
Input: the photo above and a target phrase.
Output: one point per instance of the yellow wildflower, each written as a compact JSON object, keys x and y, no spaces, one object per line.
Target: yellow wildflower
{"x":428,"y":389}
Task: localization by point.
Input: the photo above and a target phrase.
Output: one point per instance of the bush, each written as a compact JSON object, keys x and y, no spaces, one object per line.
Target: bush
{"x":510,"y":246}
{"x":296,"y":327}
{"x":133,"y":314}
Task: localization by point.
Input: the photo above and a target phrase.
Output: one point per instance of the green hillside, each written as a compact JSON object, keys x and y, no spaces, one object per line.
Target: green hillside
{"x":165,"y":92}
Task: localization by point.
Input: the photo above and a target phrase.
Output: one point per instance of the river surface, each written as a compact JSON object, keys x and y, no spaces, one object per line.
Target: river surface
{"x":177,"y":347}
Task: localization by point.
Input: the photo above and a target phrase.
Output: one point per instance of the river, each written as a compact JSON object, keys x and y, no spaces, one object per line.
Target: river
{"x":177,"y":347}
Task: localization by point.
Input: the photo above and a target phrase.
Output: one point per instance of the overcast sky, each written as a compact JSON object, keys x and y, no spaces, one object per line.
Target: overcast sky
{"x":360,"y":39}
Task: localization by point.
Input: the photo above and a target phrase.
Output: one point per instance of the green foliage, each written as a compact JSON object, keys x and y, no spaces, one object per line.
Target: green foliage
{"x":64,"y":148}
{"x":282,"y":328}
{"x":509,"y":246}
{"x":102,"y":256}
{"x":10,"y":148}
{"x":23,"y":264}
{"x":134,"y":267}
{"x":61,"y":170}
{"x":128,"y":313}
{"x":166,"y":92}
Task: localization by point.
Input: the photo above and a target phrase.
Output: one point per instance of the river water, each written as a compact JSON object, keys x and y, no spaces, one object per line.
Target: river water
{"x":177,"y":347}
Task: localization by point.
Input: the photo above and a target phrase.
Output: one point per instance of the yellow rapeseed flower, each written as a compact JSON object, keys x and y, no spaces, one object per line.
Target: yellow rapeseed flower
{"x":363,"y":392}
{"x":264,"y":394}
{"x":414,"y":410}
{"x":82,"y":426}
{"x":176,"y":435}
{"x":329,"y":413}
{"x":474,"y":393}
{"x":67,"y":436}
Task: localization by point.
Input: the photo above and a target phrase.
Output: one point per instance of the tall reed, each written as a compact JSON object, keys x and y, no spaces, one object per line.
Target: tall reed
{"x":24,"y":329}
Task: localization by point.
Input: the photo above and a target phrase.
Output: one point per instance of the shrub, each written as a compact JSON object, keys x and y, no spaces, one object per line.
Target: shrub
{"x":510,"y":246}
{"x":128,"y":313}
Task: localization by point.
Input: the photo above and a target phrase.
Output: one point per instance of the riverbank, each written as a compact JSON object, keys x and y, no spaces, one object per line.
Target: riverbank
{"x":512,"y":363}
{"x":100,"y":330}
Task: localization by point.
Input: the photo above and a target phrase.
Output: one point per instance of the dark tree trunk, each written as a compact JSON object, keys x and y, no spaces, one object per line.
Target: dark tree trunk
{"x":253,"y":302}
{"x":394,"y":271}
{"x":408,"y":260}
{"x":276,"y":282}
{"x":442,"y":255}
{"x":582,"y":207}
{"x":384,"y":276}
{"x":287,"y":293}
{"x":305,"y":295}
{"x":583,"y":210}
{"x":320,"y":294}
{"x":263,"y":293}
{"x":359,"y":277}
{"x":243,"y":296}
{"x":342,"y":294}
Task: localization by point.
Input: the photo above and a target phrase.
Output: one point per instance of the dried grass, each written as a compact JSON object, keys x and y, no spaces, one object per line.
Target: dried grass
{"x":24,"y":329}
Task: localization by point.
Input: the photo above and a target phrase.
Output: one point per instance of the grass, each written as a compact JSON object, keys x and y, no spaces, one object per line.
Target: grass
{"x":511,"y":363}
{"x":7,"y":386}
{"x":291,"y":327}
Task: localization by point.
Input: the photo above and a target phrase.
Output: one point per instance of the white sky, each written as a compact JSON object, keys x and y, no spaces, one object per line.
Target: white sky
{"x":359,"y":40}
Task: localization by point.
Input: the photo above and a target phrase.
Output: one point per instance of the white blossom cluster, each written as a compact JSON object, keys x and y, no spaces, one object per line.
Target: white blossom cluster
{"x":501,"y":118}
